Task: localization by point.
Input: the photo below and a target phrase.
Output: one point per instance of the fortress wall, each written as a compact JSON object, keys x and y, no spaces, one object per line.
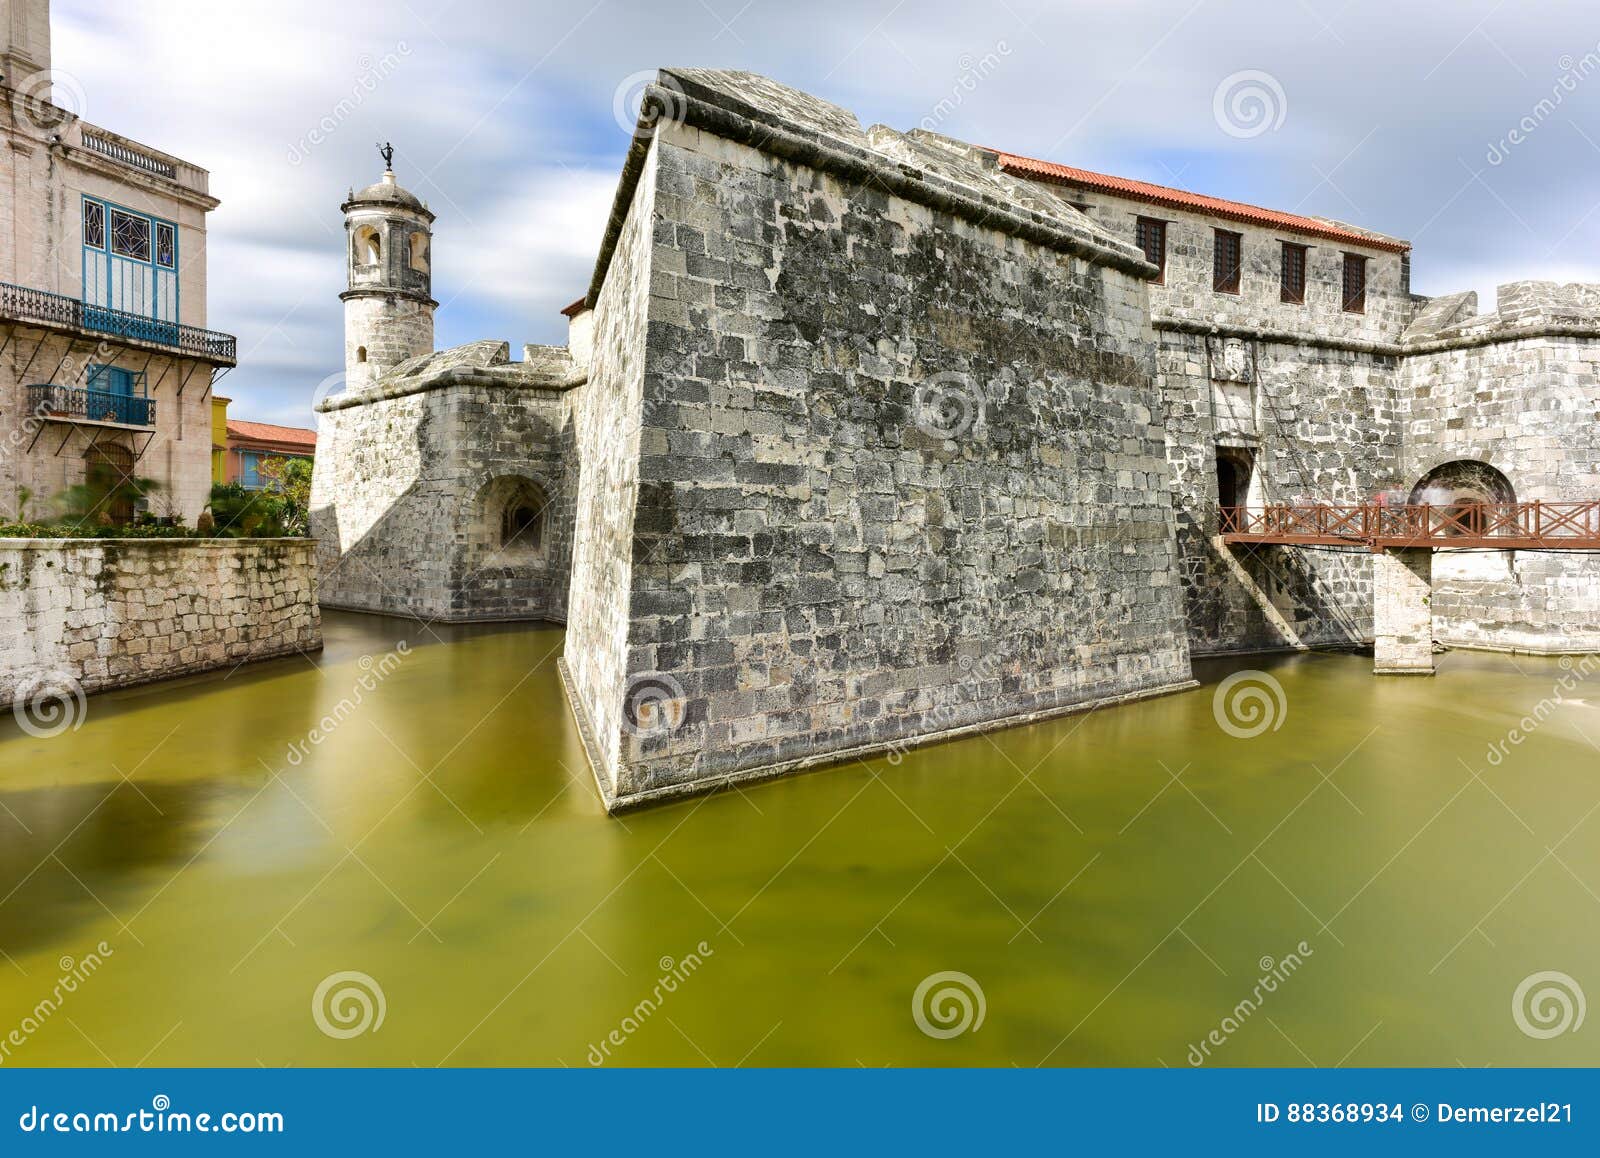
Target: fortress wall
{"x":608,"y":412}
{"x":377,"y":538}
{"x":1318,"y":425}
{"x":899,"y":475}
{"x":1529,"y":409}
{"x":407,"y":500}
{"x":494,"y":442}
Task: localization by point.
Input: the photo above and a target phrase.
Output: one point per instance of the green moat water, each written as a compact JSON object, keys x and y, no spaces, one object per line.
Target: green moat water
{"x":1113,"y":881}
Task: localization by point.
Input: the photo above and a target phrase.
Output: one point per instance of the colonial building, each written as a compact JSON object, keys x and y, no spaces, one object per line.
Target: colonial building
{"x":863,"y":439}
{"x":249,"y":444}
{"x":105,"y":362}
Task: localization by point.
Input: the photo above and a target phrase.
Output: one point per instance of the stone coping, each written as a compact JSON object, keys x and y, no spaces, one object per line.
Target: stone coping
{"x":453,"y":377}
{"x":615,"y":803}
{"x":1465,"y":341}
{"x":696,"y":105}
{"x":157,"y":540}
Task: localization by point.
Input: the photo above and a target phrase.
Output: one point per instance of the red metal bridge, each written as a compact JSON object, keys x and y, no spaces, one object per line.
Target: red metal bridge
{"x":1539,"y":526}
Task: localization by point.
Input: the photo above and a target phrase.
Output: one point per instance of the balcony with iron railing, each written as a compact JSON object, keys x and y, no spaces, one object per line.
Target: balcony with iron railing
{"x":55,"y":311}
{"x":76,"y":404}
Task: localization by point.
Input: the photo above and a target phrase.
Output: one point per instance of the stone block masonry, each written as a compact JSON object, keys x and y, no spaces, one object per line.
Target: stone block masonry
{"x":1402,"y":582}
{"x":415,"y":475}
{"x":899,"y":471}
{"x":863,"y":439}
{"x":110,"y":613}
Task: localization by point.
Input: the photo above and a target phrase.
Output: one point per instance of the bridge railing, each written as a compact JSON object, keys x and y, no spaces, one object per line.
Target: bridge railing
{"x":1556,"y":525}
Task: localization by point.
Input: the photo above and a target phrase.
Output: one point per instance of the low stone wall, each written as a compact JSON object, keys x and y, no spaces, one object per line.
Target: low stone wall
{"x":109,"y":613}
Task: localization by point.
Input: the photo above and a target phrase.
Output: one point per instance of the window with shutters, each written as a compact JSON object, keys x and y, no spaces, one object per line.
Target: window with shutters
{"x":1355,"y":283}
{"x":1151,"y":236}
{"x":1293,"y":288}
{"x":1227,"y":253}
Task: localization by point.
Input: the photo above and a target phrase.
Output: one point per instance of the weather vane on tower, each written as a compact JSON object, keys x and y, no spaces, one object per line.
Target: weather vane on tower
{"x":388,"y":155}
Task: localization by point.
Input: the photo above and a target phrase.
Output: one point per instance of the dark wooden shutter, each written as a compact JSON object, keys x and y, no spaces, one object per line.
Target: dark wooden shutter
{"x":1294,"y":273}
{"x":1227,"y":252}
{"x":1355,"y":283}
{"x":1151,"y":236}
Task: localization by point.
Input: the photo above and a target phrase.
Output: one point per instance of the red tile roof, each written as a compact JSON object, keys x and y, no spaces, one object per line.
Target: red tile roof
{"x":269,"y":432}
{"x":1181,"y":199}
{"x":576,"y":307}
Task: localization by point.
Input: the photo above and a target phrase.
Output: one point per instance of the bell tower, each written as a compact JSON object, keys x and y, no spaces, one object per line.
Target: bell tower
{"x":388,"y":302}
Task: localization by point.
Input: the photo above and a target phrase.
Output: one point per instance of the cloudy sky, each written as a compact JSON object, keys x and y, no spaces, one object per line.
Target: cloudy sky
{"x":504,"y":116}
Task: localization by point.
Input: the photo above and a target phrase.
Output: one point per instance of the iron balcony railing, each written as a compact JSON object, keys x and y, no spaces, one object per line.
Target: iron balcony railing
{"x":21,"y":304}
{"x":91,"y":405}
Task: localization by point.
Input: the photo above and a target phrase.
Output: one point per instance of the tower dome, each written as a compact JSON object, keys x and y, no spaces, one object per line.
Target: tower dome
{"x":388,"y":300}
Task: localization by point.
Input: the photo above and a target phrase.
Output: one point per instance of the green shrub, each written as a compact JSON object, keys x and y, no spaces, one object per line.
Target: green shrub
{"x":93,"y":531}
{"x":241,"y":514}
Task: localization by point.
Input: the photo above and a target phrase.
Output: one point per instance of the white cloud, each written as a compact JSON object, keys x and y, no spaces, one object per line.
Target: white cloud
{"x":501,"y":114}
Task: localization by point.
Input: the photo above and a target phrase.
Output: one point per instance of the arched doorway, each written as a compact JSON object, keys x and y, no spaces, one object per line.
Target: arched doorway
{"x":1458,"y":488}
{"x":512,"y":515}
{"x":108,"y":479}
{"x":522,"y":520}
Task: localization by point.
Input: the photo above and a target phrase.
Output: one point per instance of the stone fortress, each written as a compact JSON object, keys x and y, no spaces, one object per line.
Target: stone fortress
{"x":864,"y":438}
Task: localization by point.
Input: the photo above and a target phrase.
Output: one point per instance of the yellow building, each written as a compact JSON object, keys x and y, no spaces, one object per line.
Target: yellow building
{"x":219,"y":438}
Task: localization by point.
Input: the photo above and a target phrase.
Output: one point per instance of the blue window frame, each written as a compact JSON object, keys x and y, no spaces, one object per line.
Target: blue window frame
{"x":130,"y":265}
{"x":250,"y":469}
{"x":115,"y":394}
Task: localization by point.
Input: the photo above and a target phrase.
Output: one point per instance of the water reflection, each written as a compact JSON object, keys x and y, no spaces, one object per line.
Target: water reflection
{"x":1112,"y":881}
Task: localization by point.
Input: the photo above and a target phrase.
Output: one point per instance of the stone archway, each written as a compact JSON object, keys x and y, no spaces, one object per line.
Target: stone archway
{"x":1463,"y":483}
{"x":511,"y":520}
{"x":512,"y":559}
